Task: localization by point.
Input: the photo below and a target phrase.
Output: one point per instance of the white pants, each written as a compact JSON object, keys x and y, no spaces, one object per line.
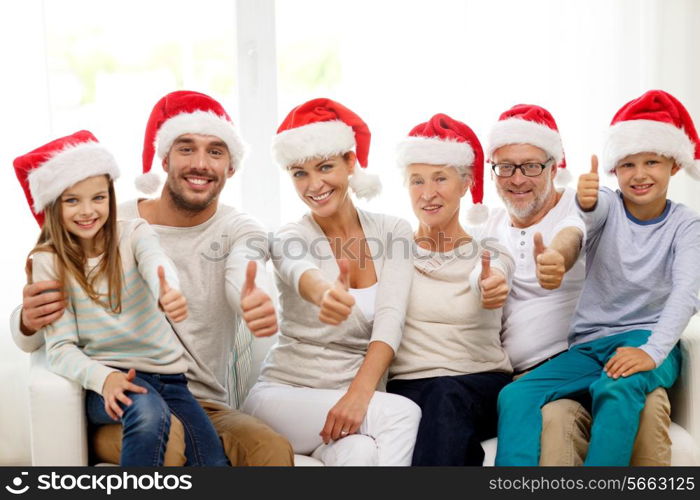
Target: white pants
{"x":386,"y":436}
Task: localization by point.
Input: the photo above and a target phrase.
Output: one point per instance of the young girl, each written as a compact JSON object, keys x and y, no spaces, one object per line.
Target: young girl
{"x":112,"y":339}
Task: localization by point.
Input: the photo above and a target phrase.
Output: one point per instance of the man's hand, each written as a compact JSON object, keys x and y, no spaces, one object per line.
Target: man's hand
{"x":550,"y":264}
{"x":628,"y":361}
{"x":172,"y":301}
{"x":116,"y":384}
{"x":258,"y":308}
{"x":492,"y":283}
{"x":42,"y":302}
{"x":336,"y":302}
{"x":588,"y":185}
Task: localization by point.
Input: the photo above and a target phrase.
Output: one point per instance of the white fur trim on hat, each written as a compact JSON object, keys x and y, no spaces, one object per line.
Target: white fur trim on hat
{"x":316,"y":140}
{"x":364,"y":184}
{"x":518,"y":131}
{"x":68,"y":167}
{"x":648,"y":136}
{"x":434,"y":151}
{"x":204,"y":123}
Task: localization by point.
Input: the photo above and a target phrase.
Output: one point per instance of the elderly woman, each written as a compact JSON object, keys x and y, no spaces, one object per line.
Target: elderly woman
{"x":451,"y":362}
{"x":343,"y":293}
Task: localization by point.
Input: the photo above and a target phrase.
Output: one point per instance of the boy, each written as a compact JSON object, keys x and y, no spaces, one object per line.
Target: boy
{"x":642,"y":281}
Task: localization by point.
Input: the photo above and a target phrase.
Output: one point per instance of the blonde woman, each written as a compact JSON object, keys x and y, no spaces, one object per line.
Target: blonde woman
{"x":344,"y":276}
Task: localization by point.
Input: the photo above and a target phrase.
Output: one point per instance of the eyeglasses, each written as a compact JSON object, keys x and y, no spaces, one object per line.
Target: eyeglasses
{"x":527,"y":169}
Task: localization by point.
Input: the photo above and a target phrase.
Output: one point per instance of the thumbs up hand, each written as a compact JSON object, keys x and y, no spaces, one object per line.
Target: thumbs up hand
{"x":588,"y":185}
{"x":173,"y":303}
{"x":257,"y":306}
{"x":336,"y":302}
{"x":492,"y":283}
{"x":550,"y":264}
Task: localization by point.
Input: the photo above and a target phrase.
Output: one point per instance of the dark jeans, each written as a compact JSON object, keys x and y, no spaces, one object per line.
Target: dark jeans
{"x":458,"y":413}
{"x":146,"y":422}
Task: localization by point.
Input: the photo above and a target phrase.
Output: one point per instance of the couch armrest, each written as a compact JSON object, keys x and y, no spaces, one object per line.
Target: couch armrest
{"x":58,"y":424}
{"x":685,"y":394}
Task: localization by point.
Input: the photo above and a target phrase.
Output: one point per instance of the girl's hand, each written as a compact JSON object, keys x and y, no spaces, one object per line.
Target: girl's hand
{"x":346,"y":416}
{"x":493,"y":285}
{"x":172,"y":301}
{"x":336,"y":302}
{"x":628,"y":361}
{"x":116,"y":384}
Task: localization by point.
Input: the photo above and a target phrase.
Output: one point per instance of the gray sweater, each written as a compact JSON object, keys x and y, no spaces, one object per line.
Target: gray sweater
{"x":309,"y":353}
{"x":639,"y":274}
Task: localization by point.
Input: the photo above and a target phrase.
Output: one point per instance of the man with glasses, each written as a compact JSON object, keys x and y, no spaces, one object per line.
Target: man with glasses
{"x":541,"y":227}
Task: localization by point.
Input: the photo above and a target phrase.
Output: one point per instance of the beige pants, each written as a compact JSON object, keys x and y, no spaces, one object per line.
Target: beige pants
{"x":247,"y":441}
{"x":566,"y":430}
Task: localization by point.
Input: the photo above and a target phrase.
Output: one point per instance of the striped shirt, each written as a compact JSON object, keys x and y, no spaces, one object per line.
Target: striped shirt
{"x":89,"y":342}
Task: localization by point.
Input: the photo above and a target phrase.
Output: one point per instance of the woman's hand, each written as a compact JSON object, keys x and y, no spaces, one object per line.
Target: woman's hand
{"x":116,"y":384}
{"x":336,"y":302}
{"x":493,"y":284}
{"x":346,"y":416}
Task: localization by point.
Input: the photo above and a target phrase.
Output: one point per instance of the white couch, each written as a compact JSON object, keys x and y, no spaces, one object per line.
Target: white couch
{"x":14,"y":403}
{"x":57,"y":425}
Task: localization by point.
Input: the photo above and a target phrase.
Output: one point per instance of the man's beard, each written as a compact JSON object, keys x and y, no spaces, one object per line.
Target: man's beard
{"x":188,"y":206}
{"x":526,"y":211}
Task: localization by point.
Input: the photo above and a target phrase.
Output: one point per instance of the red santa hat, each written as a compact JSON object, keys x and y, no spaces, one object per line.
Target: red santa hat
{"x":444,"y":141}
{"x":530,"y":124}
{"x":185,"y":112}
{"x":322,"y":128}
{"x":52,"y":168}
{"x":658,"y":123}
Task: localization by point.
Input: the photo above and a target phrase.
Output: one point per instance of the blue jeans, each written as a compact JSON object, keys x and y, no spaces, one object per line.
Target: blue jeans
{"x":146,"y":422}
{"x":458,"y":413}
{"x":617,"y":403}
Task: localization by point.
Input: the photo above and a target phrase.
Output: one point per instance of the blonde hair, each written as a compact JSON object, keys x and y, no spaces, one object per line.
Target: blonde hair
{"x":70,"y":259}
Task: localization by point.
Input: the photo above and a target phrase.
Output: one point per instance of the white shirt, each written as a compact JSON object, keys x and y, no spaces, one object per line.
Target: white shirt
{"x":364,"y":300}
{"x":536,"y":321}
